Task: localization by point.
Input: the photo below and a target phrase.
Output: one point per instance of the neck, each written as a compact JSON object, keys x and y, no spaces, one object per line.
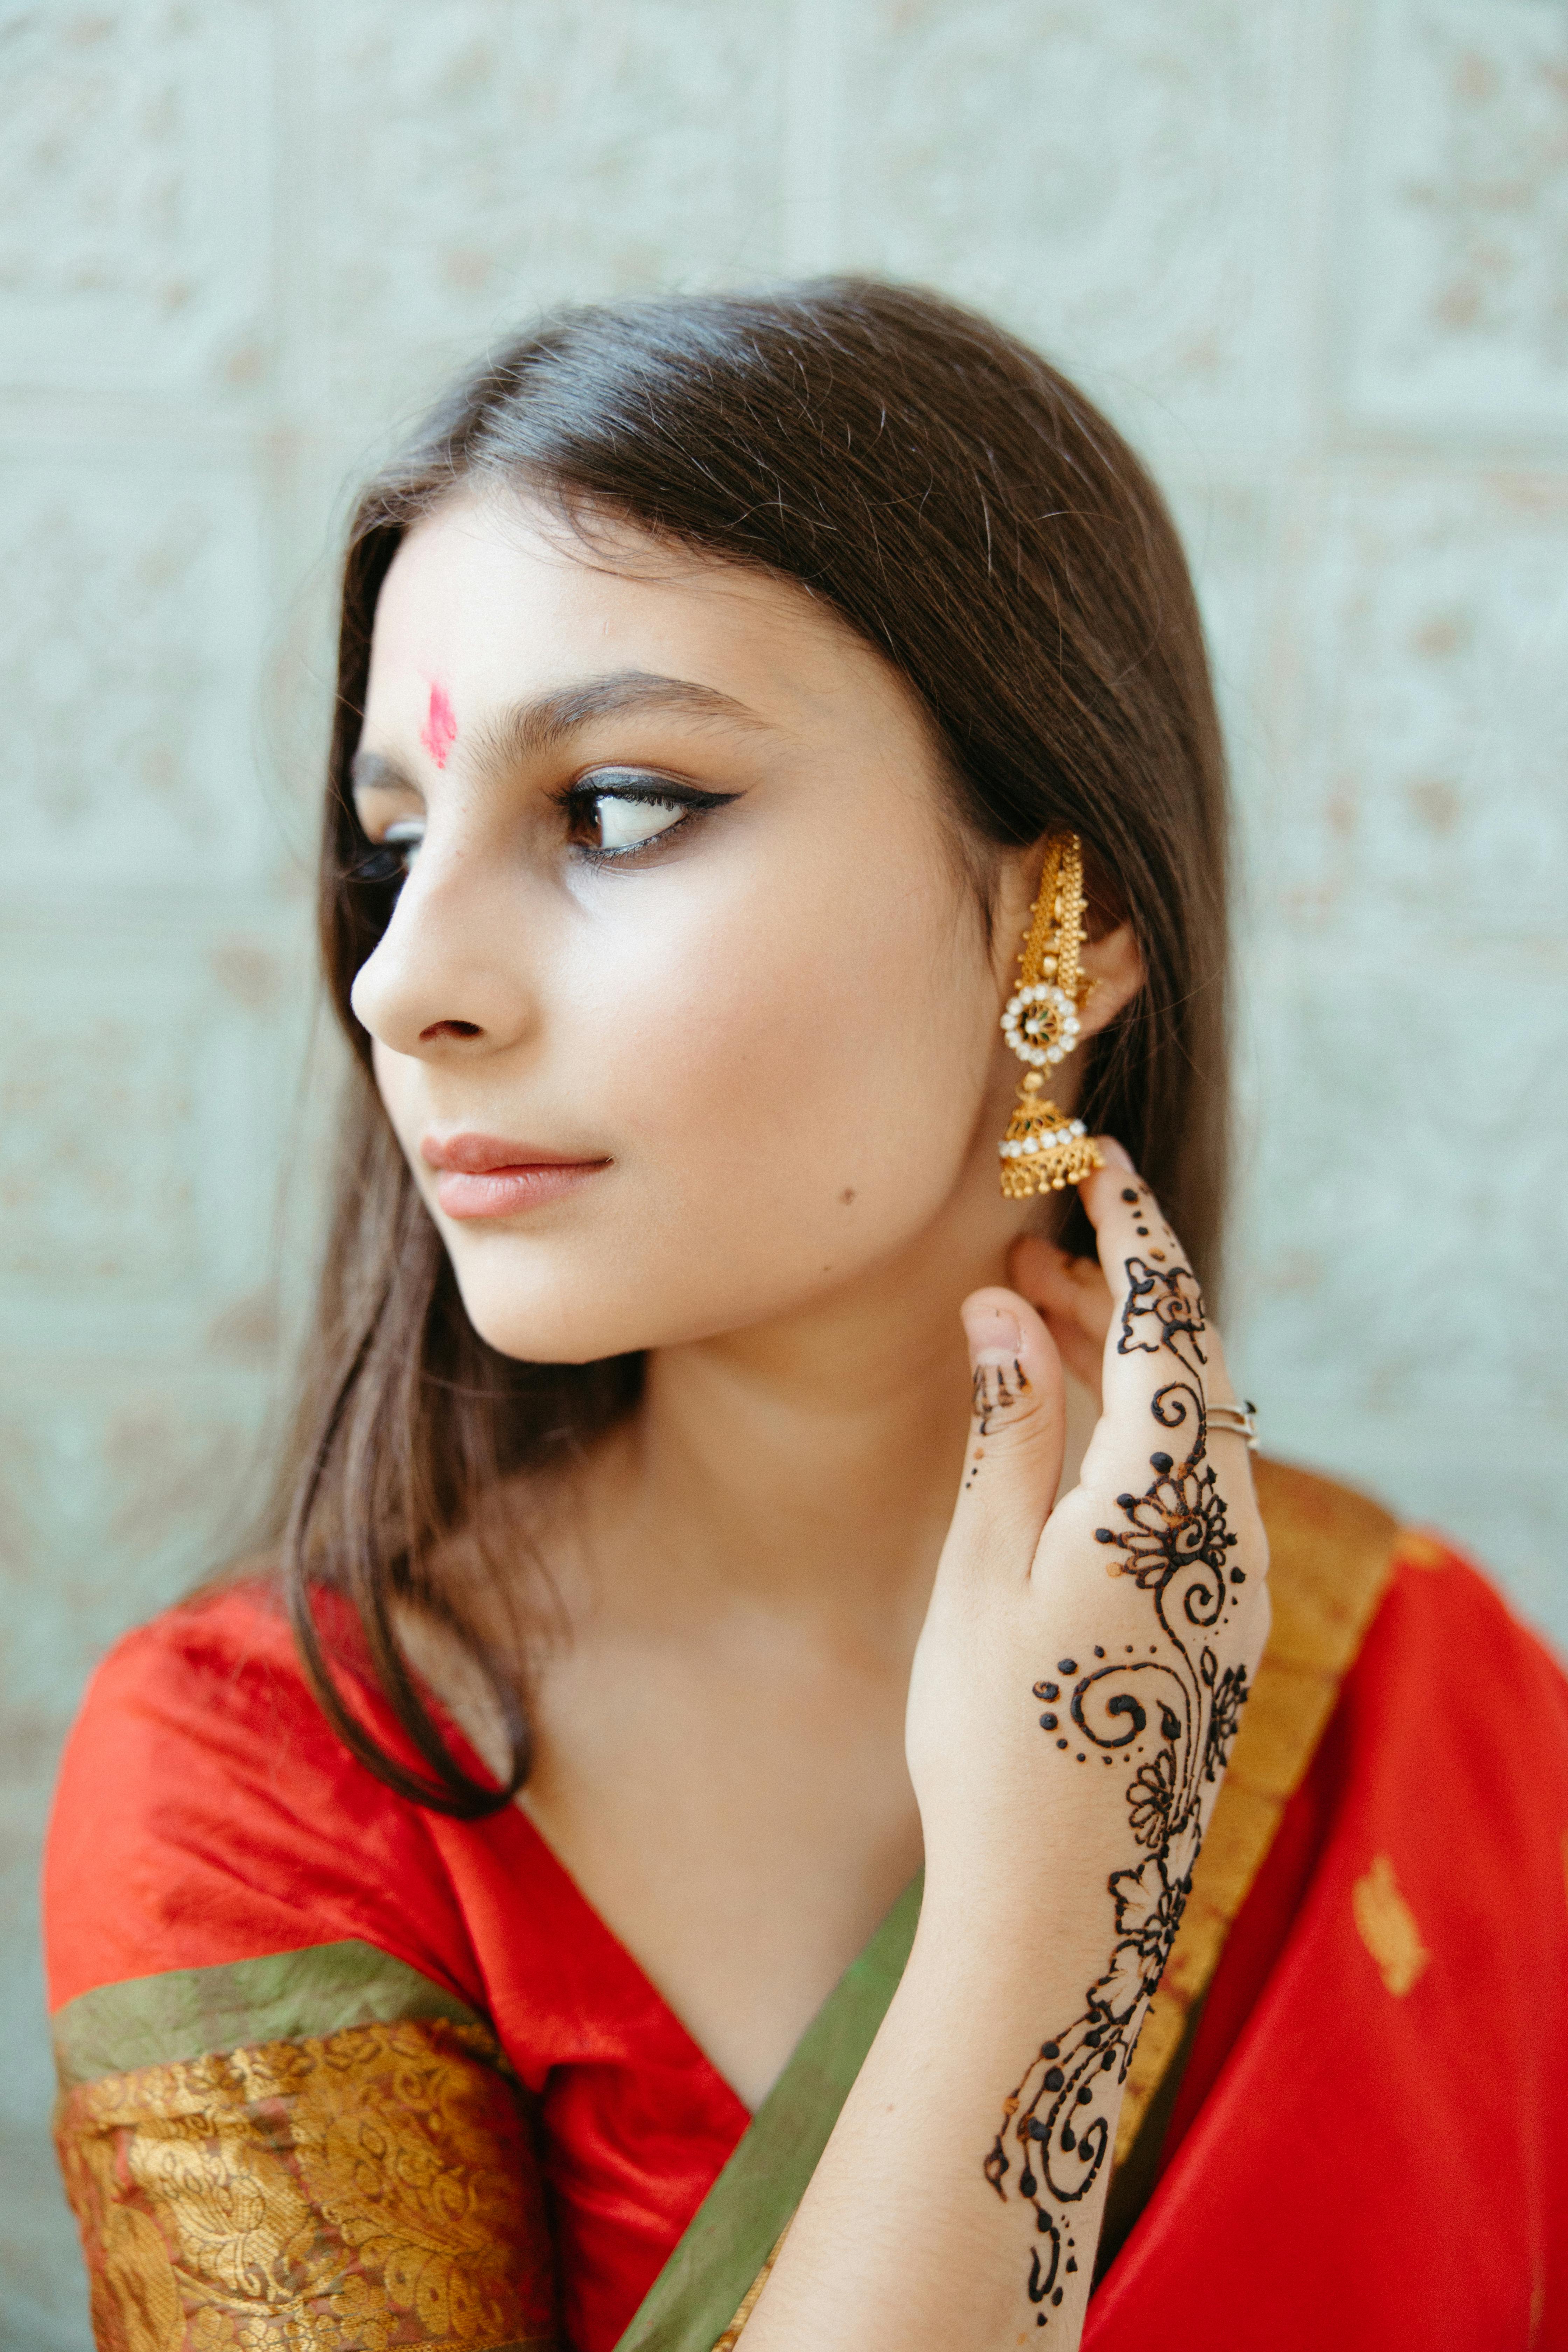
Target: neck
{"x":807,"y":1467}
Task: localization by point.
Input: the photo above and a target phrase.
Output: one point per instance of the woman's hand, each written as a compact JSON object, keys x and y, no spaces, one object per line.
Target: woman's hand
{"x":1150,"y":1575}
{"x":1080,"y":1675}
{"x":1075,"y":1694}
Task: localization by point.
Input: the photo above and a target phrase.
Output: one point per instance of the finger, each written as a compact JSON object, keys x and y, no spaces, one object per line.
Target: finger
{"x":1155,"y":1358}
{"x":1073,"y":1296}
{"x":1017,"y":1433}
{"x":1163,"y":1364}
{"x":1218,"y":1386}
{"x":1161,"y":1248}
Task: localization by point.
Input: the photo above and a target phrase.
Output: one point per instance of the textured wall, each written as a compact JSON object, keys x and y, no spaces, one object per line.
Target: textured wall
{"x":1312,"y":253}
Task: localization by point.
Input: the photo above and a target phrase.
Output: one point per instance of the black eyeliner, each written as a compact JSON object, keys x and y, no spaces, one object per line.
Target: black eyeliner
{"x":644,"y":787}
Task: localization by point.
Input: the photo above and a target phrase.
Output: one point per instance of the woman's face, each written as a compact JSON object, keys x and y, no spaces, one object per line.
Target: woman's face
{"x":686,"y":1017}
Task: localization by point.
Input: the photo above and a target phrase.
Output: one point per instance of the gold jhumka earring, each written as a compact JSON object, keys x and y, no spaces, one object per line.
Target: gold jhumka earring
{"x":1043,"y":1150}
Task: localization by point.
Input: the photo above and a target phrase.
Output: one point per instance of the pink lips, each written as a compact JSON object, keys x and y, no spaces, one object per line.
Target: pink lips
{"x":484,"y":1176}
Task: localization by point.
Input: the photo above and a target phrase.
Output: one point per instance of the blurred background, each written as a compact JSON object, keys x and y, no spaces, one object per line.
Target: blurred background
{"x":1312,"y":254}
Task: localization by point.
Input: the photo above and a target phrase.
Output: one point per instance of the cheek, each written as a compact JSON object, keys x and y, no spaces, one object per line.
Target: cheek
{"x":789,"y":1087}
{"x":399,"y":1081}
{"x":775,"y":1058}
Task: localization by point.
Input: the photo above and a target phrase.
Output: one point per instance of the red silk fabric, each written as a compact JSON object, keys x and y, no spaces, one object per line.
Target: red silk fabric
{"x":1351,"y":2166}
{"x":1345,"y":2164}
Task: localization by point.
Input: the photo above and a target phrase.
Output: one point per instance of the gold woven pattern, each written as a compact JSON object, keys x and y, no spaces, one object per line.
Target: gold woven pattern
{"x":362,"y":2192}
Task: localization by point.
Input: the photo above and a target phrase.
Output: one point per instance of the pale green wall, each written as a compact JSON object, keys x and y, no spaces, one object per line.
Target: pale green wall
{"x":1313,"y":253}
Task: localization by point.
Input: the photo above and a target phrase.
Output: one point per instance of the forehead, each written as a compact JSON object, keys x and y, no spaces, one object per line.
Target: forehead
{"x":494,"y":595}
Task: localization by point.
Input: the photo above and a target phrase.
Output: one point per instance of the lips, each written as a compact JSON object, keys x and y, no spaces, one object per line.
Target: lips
{"x":489,"y":1176}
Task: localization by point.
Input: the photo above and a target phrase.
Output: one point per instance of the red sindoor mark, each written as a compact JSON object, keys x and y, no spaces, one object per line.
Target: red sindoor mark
{"x":439,"y":731}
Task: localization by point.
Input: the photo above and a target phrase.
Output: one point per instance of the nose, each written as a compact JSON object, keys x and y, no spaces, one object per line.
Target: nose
{"x":449,"y":974}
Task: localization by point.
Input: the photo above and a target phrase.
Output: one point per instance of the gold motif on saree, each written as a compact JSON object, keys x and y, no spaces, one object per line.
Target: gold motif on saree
{"x":1386,"y":1925}
{"x":373,"y":2189}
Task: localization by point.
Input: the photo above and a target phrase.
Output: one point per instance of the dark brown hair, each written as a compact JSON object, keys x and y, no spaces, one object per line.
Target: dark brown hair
{"x":981,"y":525}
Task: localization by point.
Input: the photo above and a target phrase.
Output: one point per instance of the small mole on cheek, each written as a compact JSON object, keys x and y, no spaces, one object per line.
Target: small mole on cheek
{"x":848,"y":1195}
{"x":439,"y":731}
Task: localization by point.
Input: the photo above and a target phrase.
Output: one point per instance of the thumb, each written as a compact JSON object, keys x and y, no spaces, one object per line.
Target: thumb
{"x":1016,"y":1437}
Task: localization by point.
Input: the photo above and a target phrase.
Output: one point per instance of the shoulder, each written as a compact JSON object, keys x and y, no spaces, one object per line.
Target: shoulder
{"x":205,"y":1814}
{"x":256,"y":1954}
{"x":212,"y":1685}
{"x":1445,"y":1640}
{"x":1423,"y":1634}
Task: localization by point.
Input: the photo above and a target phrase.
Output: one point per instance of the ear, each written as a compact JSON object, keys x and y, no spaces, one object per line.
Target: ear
{"x":1110,"y":964}
{"x":1114,"y":970}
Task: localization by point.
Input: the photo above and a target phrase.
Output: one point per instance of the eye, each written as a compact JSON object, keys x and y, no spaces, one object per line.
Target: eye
{"x":625,"y":823}
{"x":403,"y":838}
{"x":607,"y":822}
{"x":394,"y":854}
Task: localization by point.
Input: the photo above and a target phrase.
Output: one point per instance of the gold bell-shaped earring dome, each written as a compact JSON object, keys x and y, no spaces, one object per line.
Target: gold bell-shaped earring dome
{"x":1042,"y":1151}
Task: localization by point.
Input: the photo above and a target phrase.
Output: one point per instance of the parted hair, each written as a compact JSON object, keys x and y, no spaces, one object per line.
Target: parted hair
{"x":975,"y":518}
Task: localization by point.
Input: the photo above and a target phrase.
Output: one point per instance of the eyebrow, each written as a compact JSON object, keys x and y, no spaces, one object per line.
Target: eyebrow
{"x":528,"y":730}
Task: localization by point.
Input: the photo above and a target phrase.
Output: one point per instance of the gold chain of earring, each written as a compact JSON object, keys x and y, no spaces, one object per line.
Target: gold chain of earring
{"x":1043,"y":1150}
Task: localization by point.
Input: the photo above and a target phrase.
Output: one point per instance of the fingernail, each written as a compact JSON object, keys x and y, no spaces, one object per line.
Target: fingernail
{"x":995,"y":1337}
{"x":1114,"y":1154}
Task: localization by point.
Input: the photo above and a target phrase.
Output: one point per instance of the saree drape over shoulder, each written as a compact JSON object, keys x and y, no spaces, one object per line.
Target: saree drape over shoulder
{"x":338,"y":2072}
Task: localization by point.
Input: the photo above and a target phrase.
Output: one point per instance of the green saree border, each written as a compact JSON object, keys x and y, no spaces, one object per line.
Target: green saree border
{"x":187,"y":2013}
{"x":738,"y":2223}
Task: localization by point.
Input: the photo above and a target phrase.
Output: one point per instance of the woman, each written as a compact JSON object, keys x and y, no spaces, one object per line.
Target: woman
{"x":493,"y":1920}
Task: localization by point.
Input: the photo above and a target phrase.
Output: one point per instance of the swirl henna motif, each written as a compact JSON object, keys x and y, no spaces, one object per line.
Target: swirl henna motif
{"x":1175,"y":1714}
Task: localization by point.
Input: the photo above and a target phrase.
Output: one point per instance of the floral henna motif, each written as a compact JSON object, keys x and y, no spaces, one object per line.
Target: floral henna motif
{"x":1168,"y":1299}
{"x":1225,"y":1717}
{"x":1175,"y":1713}
{"x":1151,"y":1797}
{"x":1180,"y":1520}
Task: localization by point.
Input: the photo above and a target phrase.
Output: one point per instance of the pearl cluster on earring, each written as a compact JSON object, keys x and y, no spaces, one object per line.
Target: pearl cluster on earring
{"x":1045,"y":1034}
{"x":1051,"y":1140}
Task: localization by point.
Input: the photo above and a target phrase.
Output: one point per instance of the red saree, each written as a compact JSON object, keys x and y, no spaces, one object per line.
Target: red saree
{"x":338,"y":2072}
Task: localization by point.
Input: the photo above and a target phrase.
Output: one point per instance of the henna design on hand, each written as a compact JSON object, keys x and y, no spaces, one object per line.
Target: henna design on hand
{"x":998,"y":1388}
{"x":1175,"y":1713}
{"x":1167,"y":1298}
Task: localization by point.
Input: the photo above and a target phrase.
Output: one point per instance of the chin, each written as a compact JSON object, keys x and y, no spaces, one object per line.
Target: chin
{"x":576,"y":1305}
{"x":549,"y":1307}
{"x":582,"y":1318}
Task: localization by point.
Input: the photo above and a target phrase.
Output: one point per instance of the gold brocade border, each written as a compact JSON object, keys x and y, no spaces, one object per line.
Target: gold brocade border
{"x":1331,"y":1553}
{"x":361,"y":2191}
